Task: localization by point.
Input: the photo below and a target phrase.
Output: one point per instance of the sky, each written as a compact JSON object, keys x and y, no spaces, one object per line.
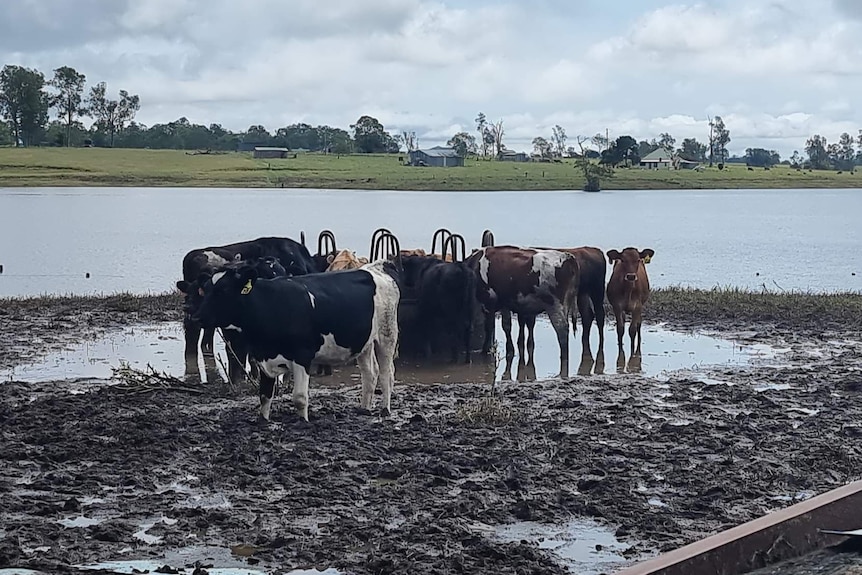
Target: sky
{"x":775,"y":71}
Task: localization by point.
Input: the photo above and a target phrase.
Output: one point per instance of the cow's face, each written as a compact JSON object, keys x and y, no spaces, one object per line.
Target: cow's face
{"x":193,"y":297}
{"x":221,"y":295}
{"x":629,"y":261}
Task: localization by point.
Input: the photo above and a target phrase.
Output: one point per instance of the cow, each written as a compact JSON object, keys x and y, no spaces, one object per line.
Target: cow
{"x":331,"y":318}
{"x":527,"y":282}
{"x":292,"y":255}
{"x":628,"y":291}
{"x":591,"y":293}
{"x":445,"y":293}
{"x":236,"y":349}
{"x":344,"y":260}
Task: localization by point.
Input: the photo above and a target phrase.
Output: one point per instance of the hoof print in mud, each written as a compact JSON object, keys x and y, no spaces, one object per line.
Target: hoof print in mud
{"x":110,"y":531}
{"x":522,"y":510}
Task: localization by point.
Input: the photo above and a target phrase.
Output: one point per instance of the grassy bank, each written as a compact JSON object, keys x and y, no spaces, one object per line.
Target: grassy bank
{"x":121,"y":167}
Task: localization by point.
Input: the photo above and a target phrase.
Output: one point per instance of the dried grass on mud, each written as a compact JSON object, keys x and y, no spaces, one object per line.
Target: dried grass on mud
{"x":662,"y":463}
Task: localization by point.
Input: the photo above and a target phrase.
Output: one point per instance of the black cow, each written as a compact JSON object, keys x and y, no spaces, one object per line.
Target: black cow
{"x":292,"y":255}
{"x":289,"y":323}
{"x":445,"y":294}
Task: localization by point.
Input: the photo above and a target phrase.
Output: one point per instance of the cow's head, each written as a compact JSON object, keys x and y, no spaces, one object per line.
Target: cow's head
{"x":221,"y":295}
{"x":629,"y":260}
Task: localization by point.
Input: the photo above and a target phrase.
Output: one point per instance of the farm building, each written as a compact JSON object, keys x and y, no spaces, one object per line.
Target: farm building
{"x":267,"y":152}
{"x":438,"y":156}
{"x":512,"y":156}
{"x":660,"y":158}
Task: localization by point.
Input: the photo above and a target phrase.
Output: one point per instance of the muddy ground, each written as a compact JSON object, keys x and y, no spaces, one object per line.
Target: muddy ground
{"x":663,"y":463}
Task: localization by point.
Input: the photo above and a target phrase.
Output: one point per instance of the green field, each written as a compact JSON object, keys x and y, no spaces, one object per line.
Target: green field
{"x":125,"y":167}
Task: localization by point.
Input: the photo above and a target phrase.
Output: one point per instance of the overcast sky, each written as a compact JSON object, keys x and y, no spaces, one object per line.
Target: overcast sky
{"x":776,"y":71}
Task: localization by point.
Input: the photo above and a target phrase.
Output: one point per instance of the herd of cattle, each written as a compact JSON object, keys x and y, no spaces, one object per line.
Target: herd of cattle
{"x":291,"y":312}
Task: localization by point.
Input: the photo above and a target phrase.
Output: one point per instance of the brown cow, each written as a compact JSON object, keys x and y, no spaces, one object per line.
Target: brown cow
{"x":344,"y":260}
{"x":591,"y":293}
{"x":527,"y":282}
{"x":628,"y":291}
{"x":421,"y":252}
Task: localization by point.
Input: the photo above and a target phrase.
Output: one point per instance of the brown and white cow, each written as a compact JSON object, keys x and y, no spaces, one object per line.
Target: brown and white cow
{"x":527,"y":282}
{"x":591,"y":293}
{"x":628,"y":291}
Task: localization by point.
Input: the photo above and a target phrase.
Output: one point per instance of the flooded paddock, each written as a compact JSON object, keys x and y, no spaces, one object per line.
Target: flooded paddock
{"x":161,"y":347}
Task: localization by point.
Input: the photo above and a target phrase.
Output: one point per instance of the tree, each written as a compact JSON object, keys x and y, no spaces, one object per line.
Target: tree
{"x":666,"y":141}
{"x":559,"y":138}
{"x":409,"y":139}
{"x":592,"y":171}
{"x":761,"y":158}
{"x":692,"y":150}
{"x":542,"y":147}
{"x":112,"y":115}
{"x":719,"y":137}
{"x":844,"y":156}
{"x":5,"y":134}
{"x":600,"y":141}
{"x":68,"y":100}
{"x":818,"y":155}
{"x":482,"y":128}
{"x":463,"y":143}
{"x":796,"y":159}
{"x":623,"y":150}
{"x":23,"y":103}
{"x":646,"y":148}
{"x":371,"y":138}
{"x":497,"y":131}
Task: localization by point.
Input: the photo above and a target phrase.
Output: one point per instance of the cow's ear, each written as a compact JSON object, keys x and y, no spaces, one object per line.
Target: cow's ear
{"x":647,"y":255}
{"x":237,"y":258}
{"x":247,"y":273}
{"x":613,"y":255}
{"x":330,"y":258}
{"x":183,"y":286}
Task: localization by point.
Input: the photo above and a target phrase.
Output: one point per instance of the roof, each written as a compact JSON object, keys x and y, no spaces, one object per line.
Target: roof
{"x":512,"y":153}
{"x":269,"y":149}
{"x":660,"y":155}
{"x":440,"y":152}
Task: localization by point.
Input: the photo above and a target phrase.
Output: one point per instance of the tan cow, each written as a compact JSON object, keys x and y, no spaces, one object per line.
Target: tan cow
{"x":344,"y":260}
{"x":628,"y":291}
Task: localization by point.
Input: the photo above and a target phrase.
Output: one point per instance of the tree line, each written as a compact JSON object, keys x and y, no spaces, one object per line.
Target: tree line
{"x":27,"y":100}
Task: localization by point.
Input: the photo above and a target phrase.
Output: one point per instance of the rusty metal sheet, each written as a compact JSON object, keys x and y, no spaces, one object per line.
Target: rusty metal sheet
{"x":783,"y":534}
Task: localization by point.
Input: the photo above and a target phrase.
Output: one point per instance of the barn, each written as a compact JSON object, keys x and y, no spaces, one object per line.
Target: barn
{"x":438,"y":156}
{"x":268,"y":152}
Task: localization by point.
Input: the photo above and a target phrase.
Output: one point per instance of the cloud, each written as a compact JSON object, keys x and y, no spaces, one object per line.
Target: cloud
{"x":776,"y":71}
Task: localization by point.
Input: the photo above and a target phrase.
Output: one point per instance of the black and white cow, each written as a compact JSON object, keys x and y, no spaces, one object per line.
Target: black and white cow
{"x":237,"y":352}
{"x":331,"y":318}
{"x":292,"y":255}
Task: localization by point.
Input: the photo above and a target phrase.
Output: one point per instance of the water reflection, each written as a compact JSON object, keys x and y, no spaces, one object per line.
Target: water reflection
{"x":211,"y":371}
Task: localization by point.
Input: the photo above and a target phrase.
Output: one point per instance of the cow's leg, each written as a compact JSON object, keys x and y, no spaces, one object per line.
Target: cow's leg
{"x":635,"y":330}
{"x":531,"y":336}
{"x":585,"y":308}
{"x":207,"y":342}
{"x":467,"y":334}
{"x":598,"y":309}
{"x":620,"y":316}
{"x":506,"y":320}
{"x":300,"y":390}
{"x":192,"y":332}
{"x":237,"y":354}
{"x":489,"y":332}
{"x":384,"y":351}
{"x":368,"y":373}
{"x":560,"y":320}
{"x":522,"y":322}
{"x":267,"y":390}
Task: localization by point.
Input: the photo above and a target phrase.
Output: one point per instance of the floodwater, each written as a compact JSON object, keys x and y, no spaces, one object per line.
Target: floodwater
{"x":161,"y":347}
{"x":584,"y":546}
{"x":133,"y":239}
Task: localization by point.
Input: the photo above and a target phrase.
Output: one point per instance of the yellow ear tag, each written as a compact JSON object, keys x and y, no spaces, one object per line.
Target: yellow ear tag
{"x":246,"y":288}
{"x":647,"y":259}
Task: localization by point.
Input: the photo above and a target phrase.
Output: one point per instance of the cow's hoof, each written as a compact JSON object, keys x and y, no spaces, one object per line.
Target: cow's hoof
{"x":385,"y":412}
{"x":362,"y":410}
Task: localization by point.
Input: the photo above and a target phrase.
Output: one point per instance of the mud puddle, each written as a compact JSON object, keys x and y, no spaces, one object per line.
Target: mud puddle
{"x":584,"y":546}
{"x":161,"y":346}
